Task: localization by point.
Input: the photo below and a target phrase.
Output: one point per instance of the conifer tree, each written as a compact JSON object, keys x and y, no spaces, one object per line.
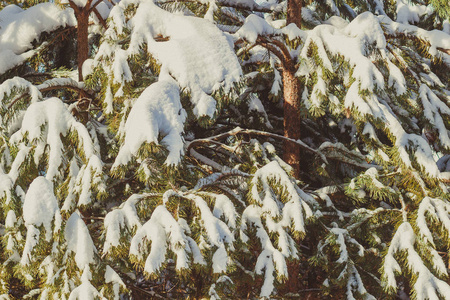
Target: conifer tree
{"x":144,"y":151}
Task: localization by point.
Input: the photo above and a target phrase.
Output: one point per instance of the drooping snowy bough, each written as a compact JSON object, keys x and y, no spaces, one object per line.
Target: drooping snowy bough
{"x":136,"y":182}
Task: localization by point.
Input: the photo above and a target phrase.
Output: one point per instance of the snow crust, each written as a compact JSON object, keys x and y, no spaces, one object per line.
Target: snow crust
{"x":18,"y":29}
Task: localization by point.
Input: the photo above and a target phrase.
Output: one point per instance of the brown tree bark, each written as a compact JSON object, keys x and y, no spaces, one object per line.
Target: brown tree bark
{"x":291,"y":95}
{"x":82,"y":16}
{"x":82,"y":41}
{"x":294,"y":12}
{"x":292,"y":121}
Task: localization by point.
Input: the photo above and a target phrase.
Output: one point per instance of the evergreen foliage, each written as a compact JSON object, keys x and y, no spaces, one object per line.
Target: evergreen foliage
{"x":161,"y":173}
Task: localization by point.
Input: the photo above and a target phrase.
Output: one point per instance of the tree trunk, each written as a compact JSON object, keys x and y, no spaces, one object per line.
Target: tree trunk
{"x":82,"y":40}
{"x":294,"y":12}
{"x":292,"y":122}
{"x":291,"y":94}
{"x":82,"y":16}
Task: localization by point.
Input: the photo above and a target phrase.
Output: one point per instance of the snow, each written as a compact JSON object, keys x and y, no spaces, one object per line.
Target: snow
{"x":436,"y":38}
{"x":164,"y":233}
{"x":427,"y":286}
{"x":40,"y":205}
{"x":446,"y":26}
{"x":267,"y":206}
{"x":371,"y":105}
{"x":220,"y":260}
{"x":40,"y":208}
{"x":197,"y":54}
{"x":18,"y":29}
{"x":125,"y":217}
{"x":18,"y":83}
{"x":85,"y":291}
{"x":433,"y":107}
{"x":396,"y":79}
{"x":350,"y":42}
{"x":157,"y":111}
{"x":79,"y":241}
{"x":340,"y":240}
{"x":112,"y":277}
{"x":408,"y":13}
{"x":57,"y":121}
{"x":10,"y":219}
{"x":223,"y":206}
{"x":217,"y":231}
{"x":253,"y":27}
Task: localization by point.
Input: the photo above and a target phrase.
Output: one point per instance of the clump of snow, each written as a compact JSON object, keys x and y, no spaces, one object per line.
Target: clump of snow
{"x":351,"y":43}
{"x":433,"y":107}
{"x":125,"y":217}
{"x":157,"y":111}
{"x":53,"y":115}
{"x":164,"y":233}
{"x":18,"y":83}
{"x":196,"y":53}
{"x":427,"y":285}
{"x":408,"y":13}
{"x":79,"y":241}
{"x":112,"y":277}
{"x":253,"y":27}
{"x":18,"y":29}
{"x":278,"y":216}
{"x":86,"y":290}
{"x":436,"y":38}
{"x":40,"y":208}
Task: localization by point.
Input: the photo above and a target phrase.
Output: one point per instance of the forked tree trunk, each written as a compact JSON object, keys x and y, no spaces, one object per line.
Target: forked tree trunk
{"x":82,"y":16}
{"x":291,"y":94}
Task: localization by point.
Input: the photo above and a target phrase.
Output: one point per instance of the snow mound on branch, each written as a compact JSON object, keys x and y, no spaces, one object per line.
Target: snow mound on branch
{"x":79,"y":241}
{"x":351,"y":43}
{"x":157,"y":111}
{"x":119,"y":219}
{"x":164,"y":233}
{"x":40,"y":208}
{"x":436,"y":38}
{"x":427,"y":285}
{"x":253,"y":27}
{"x":40,"y":204}
{"x":18,"y":83}
{"x":195,"y":51}
{"x":19,"y":28}
{"x":410,"y":13}
{"x":53,"y":114}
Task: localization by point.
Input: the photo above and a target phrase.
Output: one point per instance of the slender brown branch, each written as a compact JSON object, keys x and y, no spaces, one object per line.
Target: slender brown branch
{"x":100,"y":18}
{"x":403,"y":65}
{"x":95,"y":5}
{"x":252,"y":132}
{"x":283,"y":49}
{"x":444,"y":50}
{"x":50,"y":88}
{"x":274,"y":50}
